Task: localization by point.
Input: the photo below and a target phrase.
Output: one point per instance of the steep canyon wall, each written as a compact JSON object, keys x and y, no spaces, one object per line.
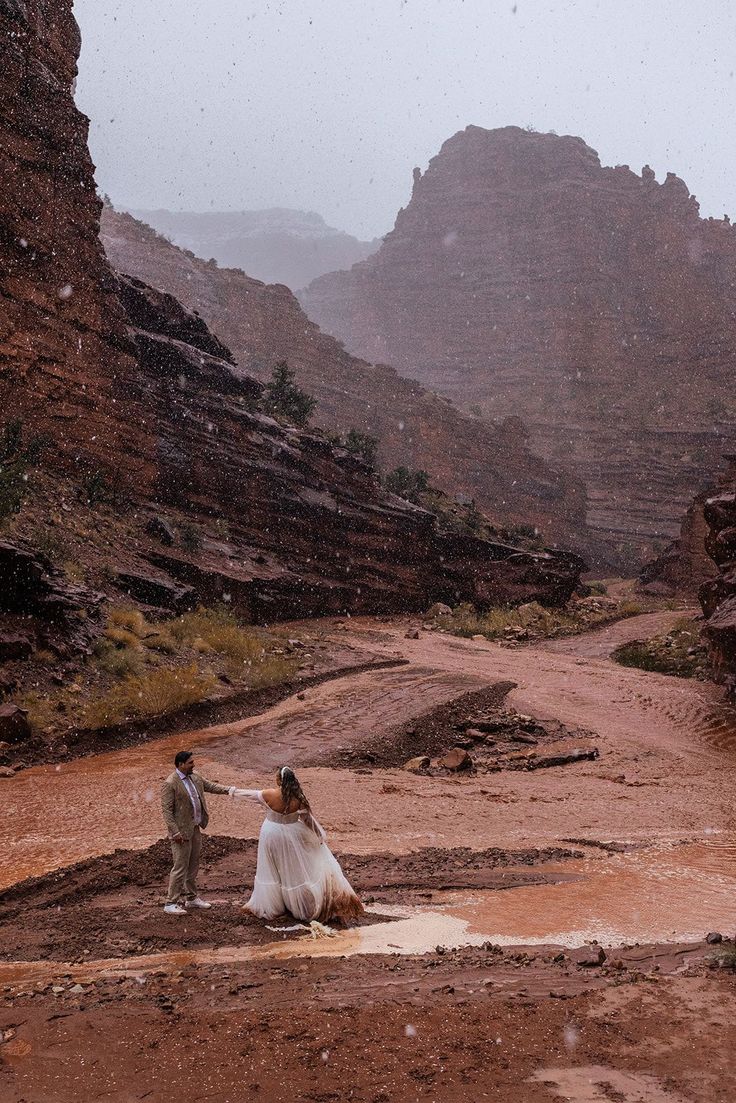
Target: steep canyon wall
{"x":129,"y":385}
{"x":524,"y":278}
{"x":263,"y":324}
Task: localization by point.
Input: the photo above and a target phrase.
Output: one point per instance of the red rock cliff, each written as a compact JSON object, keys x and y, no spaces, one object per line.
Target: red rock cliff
{"x":123,"y":378}
{"x":263,"y":324}
{"x":64,"y":363}
{"x":525,"y":278}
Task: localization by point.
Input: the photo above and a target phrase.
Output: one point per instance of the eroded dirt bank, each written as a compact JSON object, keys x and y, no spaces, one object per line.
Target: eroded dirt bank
{"x":456,"y":990}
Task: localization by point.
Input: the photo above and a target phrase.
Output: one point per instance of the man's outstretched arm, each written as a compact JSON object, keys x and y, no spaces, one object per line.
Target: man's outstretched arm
{"x":213,"y":787}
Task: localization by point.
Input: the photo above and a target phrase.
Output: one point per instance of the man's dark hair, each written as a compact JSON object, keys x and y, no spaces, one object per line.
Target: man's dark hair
{"x":181,"y":757}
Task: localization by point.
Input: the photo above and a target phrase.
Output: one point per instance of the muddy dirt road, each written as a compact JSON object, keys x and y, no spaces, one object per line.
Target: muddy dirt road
{"x":637,"y":846}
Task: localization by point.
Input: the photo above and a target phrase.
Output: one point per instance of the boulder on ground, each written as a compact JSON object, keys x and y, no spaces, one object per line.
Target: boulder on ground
{"x":563,"y":758}
{"x":14,"y":726}
{"x":7,"y":684}
{"x":14,"y":647}
{"x":456,"y":759}
{"x":476,"y":735}
{"x":7,"y":771}
{"x":588,"y":956}
{"x":412,"y":634}
{"x":161,"y":530}
{"x":713,"y":938}
{"x":439,"y":609}
{"x":657,"y":589}
{"x":530,"y":612}
{"x":158,"y":590}
{"x":421,"y":762}
{"x":479,"y":638}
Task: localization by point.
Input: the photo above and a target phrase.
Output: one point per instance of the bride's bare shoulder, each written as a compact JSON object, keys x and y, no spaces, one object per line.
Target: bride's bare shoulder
{"x":271,"y":796}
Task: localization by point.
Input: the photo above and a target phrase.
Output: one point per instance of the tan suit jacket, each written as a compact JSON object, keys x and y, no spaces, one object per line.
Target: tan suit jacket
{"x":176,"y":804}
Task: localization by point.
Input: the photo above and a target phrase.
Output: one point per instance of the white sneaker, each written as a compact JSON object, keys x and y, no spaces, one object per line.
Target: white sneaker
{"x":197,"y":902}
{"x":174,"y":909}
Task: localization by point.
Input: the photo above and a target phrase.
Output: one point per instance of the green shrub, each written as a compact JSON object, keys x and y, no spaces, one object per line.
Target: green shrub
{"x":597,"y":587}
{"x":120,"y":663}
{"x":638,"y":654}
{"x":283,"y":399}
{"x":51,"y":543}
{"x":680,"y":652}
{"x":407,"y":484}
{"x":190,"y":536}
{"x":725,"y":958}
{"x":363,"y":445}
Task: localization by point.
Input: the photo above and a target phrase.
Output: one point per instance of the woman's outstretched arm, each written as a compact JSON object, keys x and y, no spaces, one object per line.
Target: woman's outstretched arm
{"x":248,"y":794}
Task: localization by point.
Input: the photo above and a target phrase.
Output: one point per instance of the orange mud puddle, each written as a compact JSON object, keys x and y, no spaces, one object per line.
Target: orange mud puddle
{"x":668,"y":894}
{"x":665,"y":774}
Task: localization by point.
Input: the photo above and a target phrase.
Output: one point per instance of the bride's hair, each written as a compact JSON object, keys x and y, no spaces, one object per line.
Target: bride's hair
{"x":290,"y":788}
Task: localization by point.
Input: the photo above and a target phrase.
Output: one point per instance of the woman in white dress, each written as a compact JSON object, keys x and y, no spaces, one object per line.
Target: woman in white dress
{"x":296,"y":871}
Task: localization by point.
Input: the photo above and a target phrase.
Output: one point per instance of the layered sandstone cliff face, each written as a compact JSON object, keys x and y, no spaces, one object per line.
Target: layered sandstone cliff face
{"x":264,"y":324}
{"x":309,"y":530}
{"x":275,"y":245}
{"x":685,"y":564}
{"x":123,"y":379}
{"x":596,"y":304}
{"x":64,"y":362}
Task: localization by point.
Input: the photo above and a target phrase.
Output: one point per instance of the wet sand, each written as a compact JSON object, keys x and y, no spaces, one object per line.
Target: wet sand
{"x":661,"y":787}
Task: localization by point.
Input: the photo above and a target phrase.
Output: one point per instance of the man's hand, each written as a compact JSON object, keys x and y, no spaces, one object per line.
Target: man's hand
{"x":177,"y":838}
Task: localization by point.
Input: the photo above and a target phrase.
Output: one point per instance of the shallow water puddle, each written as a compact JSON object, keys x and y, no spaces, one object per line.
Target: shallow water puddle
{"x":594,"y":1083}
{"x":664,"y":894}
{"x":412,"y":931}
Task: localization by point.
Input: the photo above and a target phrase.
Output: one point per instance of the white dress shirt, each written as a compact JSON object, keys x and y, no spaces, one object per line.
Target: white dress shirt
{"x":191,"y":788}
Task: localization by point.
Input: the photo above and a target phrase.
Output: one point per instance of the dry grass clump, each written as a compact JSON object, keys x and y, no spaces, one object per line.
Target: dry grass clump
{"x":132,"y":619}
{"x":533,"y":620}
{"x":116,"y":661}
{"x":122,"y":638}
{"x":273,"y":670}
{"x":154,"y":693}
{"x":630,"y":609}
{"x":160,"y":641}
{"x":466,"y":621}
{"x":40,"y":711}
{"x":217,"y":630}
{"x":190,"y":626}
{"x":238,"y":646}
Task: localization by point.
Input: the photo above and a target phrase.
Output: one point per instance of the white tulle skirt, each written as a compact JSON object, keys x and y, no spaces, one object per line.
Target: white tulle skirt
{"x":298,"y":873}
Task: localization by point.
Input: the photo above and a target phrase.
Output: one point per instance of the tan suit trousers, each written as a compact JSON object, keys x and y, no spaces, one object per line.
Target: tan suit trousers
{"x":183,"y":879}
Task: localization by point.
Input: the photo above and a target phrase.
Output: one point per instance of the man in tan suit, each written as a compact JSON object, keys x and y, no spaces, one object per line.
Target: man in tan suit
{"x":185,"y":812}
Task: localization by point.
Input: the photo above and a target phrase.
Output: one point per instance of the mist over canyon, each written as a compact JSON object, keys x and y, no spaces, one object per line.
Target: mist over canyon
{"x":525,"y":278}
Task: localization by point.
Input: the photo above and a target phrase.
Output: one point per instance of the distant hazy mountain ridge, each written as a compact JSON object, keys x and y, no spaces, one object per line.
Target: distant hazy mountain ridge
{"x":276,"y":245}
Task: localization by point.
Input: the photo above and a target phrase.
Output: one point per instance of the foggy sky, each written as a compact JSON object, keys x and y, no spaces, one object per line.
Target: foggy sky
{"x":327,"y":105}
